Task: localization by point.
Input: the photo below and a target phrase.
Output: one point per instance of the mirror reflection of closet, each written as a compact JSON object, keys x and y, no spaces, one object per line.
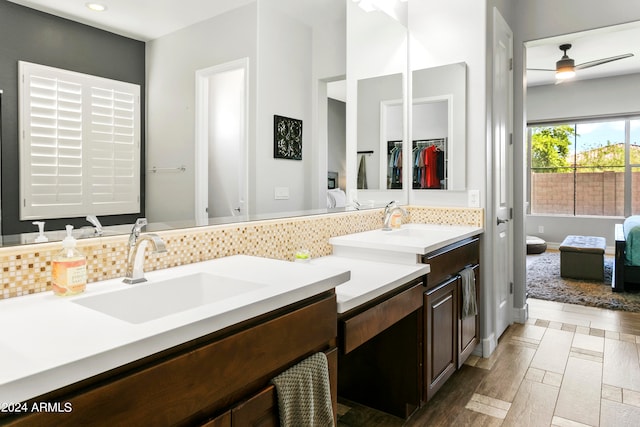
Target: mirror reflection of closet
{"x":438,"y":127}
{"x":430,"y":137}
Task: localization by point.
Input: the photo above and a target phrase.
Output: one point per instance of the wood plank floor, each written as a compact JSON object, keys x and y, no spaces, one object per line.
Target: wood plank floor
{"x":567,"y":366}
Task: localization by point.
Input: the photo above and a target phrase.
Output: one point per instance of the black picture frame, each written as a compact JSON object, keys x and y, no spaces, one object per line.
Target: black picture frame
{"x":287,"y":138}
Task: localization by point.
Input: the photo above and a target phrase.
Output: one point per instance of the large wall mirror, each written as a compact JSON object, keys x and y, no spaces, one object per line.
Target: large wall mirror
{"x":287,"y":51}
{"x":291,"y":51}
{"x":438,"y":127}
{"x":377,"y":42}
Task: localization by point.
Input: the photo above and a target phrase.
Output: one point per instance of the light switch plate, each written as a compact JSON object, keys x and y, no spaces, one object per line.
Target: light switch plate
{"x":281,"y":193}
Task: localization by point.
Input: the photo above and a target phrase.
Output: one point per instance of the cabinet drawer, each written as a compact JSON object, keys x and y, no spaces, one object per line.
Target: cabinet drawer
{"x":446,"y":262}
{"x":363,"y":326}
{"x":259,"y":410}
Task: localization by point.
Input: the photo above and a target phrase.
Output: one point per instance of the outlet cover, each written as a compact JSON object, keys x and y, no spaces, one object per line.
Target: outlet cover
{"x":473,"y":198}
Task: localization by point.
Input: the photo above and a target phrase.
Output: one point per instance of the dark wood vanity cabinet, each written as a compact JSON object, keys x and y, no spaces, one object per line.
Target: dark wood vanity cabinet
{"x":380,"y":351}
{"x":440,"y":323}
{"x":218,"y":380}
{"x":449,"y":338}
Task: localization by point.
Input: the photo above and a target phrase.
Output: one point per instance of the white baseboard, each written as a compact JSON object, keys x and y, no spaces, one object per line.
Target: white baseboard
{"x":489,"y":345}
{"x":520,"y":315}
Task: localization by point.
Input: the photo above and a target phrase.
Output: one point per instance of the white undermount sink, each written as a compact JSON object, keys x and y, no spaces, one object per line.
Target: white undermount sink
{"x":149,"y":301}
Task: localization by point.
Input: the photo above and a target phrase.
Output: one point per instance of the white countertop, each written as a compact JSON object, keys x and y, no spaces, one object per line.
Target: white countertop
{"x":403,"y":245}
{"x":48,"y":342}
{"x":369,"y":279}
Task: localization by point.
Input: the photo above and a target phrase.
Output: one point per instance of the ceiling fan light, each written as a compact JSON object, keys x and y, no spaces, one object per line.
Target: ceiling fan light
{"x":96,"y":7}
{"x":565,"y":74}
{"x":565,"y":68}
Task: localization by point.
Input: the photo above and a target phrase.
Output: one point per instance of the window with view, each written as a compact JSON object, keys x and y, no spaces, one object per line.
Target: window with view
{"x":586,"y":168}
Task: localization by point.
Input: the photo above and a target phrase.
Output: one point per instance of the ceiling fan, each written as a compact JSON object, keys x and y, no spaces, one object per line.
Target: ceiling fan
{"x":566,"y":67}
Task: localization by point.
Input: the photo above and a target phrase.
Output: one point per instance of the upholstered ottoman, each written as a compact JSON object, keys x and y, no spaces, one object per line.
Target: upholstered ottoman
{"x":535,"y":245}
{"x":582,"y":257}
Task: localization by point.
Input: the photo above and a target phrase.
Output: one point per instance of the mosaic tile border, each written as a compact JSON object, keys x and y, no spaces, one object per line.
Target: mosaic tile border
{"x":27,"y":269}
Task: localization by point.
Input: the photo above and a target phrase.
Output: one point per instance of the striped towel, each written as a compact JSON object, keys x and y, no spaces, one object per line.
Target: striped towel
{"x":304,"y":395}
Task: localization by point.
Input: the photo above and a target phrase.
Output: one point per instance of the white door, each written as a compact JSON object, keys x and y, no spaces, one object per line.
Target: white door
{"x":221,"y":141}
{"x":502,"y":173}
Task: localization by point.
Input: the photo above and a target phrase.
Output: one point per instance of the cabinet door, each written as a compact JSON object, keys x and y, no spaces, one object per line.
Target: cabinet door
{"x":440,"y":317}
{"x":469,"y":327}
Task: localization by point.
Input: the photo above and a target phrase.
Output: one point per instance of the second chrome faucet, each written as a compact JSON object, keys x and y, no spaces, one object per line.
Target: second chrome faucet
{"x":135,"y":254}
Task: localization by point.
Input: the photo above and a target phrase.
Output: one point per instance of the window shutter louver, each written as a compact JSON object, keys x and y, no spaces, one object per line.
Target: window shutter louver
{"x":80,"y":150}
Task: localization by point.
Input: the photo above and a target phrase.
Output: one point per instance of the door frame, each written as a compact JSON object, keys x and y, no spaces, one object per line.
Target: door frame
{"x":201,"y":171}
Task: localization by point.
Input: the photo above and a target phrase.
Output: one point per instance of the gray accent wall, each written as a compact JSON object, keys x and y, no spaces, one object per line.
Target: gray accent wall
{"x":33,"y":36}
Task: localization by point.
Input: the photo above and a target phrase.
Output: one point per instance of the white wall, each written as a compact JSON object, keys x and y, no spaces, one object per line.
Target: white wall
{"x":172,"y":61}
{"x":283,"y":91}
{"x":329,"y":65}
{"x":584,"y":98}
{"x":430,"y":120}
{"x":286,"y":58}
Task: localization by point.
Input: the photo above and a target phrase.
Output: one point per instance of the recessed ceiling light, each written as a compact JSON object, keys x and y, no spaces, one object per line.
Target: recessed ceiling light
{"x":96,"y":7}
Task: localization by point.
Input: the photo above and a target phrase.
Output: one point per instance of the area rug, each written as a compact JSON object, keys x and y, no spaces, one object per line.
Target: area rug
{"x":544,"y":282}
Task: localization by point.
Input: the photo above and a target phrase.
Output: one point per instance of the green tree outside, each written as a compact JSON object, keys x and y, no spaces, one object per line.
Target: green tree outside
{"x":550,"y":148}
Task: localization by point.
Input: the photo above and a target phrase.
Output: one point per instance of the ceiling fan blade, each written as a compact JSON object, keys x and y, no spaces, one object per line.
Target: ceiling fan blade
{"x":602,"y":61}
{"x":540,"y":69}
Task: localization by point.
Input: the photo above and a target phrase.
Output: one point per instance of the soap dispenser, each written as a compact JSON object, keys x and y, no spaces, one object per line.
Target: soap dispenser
{"x":41,"y":237}
{"x":69,"y":268}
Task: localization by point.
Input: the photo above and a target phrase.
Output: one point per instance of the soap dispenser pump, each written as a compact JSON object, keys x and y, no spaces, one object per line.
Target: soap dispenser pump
{"x":69,"y":268}
{"x":41,"y":237}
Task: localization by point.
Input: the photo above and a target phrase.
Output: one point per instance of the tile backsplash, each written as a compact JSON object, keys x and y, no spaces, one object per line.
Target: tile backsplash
{"x":27,"y":269}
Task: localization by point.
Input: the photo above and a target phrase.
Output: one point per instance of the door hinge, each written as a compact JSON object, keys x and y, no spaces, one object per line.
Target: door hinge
{"x":510,"y":64}
{"x":511,"y":288}
{"x":511,"y":139}
{"x":510,"y":213}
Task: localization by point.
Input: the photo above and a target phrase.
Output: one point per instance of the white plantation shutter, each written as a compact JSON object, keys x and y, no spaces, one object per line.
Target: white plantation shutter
{"x":80,"y":144}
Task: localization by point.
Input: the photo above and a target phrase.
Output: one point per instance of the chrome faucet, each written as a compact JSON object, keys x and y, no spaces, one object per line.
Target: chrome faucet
{"x":135,"y":256}
{"x":391,"y":207}
{"x":96,"y":223}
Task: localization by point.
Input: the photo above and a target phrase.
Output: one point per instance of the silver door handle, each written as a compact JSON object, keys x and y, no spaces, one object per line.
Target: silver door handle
{"x":502,"y":221}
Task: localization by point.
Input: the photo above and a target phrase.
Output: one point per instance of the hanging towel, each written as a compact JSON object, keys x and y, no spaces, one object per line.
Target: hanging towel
{"x":469,"y":306}
{"x":304,"y":395}
{"x":362,"y":174}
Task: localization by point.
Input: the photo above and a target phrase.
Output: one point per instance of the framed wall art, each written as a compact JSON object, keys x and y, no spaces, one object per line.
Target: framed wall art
{"x":287,"y":138}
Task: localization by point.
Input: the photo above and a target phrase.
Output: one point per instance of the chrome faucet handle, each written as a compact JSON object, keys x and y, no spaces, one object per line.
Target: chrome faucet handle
{"x":135,"y":231}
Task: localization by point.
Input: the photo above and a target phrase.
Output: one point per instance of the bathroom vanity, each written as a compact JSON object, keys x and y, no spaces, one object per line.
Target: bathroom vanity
{"x":399,"y":348}
{"x":216,"y":378}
